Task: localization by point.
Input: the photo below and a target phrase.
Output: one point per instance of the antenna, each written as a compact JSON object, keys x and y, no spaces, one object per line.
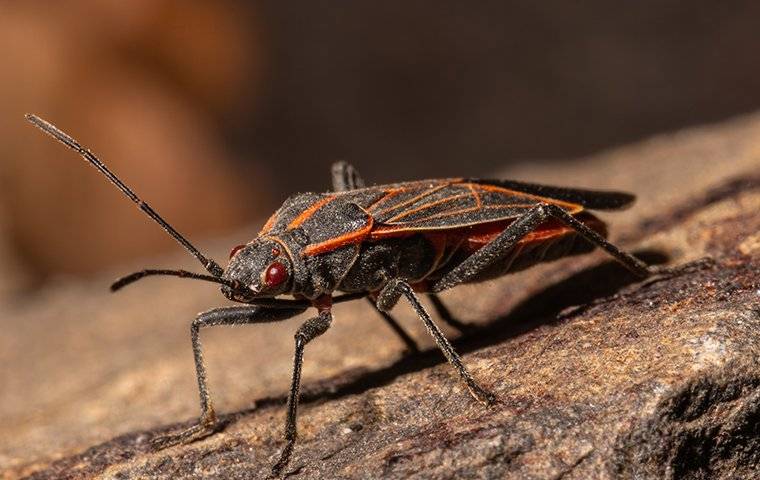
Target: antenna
{"x":133,"y":277}
{"x":211,"y":266}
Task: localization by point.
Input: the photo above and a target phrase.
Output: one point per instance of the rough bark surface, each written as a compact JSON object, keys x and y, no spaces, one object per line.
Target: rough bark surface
{"x":598,"y":375}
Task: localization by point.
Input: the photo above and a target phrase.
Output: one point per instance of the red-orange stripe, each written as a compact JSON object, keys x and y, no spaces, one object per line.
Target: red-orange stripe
{"x":388,"y":194}
{"x":268,"y":226}
{"x":303,"y":216}
{"x":334,"y":243}
{"x":406,"y":213}
{"x":572,"y":208}
{"x":416,"y":198}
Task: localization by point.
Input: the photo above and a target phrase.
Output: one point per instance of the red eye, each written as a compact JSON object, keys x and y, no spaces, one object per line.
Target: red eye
{"x":276,"y":274}
{"x":235,"y":250}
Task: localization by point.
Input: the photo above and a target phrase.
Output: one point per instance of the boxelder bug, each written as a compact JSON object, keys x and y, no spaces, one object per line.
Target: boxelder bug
{"x":383,"y":243}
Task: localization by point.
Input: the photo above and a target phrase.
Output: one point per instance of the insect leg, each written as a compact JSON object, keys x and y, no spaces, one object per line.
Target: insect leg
{"x":218,"y":316}
{"x":500,"y":247}
{"x":390,"y":295}
{"x":411,"y":345}
{"x":311,"y":329}
{"x":632,"y":263}
{"x":345,"y":177}
{"x":494,"y":251}
{"x":626,"y":259}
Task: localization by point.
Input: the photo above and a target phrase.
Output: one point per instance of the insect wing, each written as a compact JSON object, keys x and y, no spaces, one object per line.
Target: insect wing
{"x":590,"y":199}
{"x":453,"y":204}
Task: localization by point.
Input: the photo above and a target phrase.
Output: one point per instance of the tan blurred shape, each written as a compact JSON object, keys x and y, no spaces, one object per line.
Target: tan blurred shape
{"x":143,"y":84}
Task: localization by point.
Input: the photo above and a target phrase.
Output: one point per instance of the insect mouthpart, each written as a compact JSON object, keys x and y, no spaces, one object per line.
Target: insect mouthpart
{"x":235,"y":291}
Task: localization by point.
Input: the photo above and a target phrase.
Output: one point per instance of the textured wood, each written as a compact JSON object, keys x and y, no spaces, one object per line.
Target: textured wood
{"x":598,"y":375}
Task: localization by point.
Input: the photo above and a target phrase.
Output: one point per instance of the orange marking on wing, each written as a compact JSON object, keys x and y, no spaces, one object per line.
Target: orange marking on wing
{"x":390,"y":231}
{"x":471,"y":209}
{"x":478,"y":200}
{"x":334,"y":243}
{"x":423,"y":207}
{"x":414,"y":199}
{"x":303,"y":216}
{"x":268,"y":226}
{"x":408,"y":228}
{"x":388,"y":194}
{"x":572,"y":208}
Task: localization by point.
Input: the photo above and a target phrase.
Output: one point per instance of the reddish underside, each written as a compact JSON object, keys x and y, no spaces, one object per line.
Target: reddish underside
{"x":472,"y":238}
{"x":479,"y":235}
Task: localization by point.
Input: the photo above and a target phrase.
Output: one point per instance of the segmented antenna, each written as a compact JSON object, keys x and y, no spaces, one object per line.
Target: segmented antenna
{"x":133,"y":277}
{"x":211,"y":266}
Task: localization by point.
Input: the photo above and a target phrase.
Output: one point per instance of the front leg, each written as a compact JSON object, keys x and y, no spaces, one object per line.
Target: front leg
{"x":207,"y":423}
{"x":311,"y":329}
{"x":390,"y":295}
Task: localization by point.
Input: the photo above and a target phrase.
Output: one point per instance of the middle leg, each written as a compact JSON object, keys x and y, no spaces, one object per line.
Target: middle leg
{"x":389,"y":296}
{"x":311,"y":329}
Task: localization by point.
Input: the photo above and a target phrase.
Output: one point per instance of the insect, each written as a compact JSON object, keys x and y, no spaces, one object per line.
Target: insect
{"x":384,"y":243}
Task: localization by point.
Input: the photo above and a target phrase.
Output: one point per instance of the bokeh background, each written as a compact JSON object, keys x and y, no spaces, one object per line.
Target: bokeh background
{"x":217,"y":111}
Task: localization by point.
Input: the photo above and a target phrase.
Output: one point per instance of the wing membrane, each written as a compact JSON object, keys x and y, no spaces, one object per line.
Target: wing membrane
{"x":453,"y":204}
{"x":591,"y":199}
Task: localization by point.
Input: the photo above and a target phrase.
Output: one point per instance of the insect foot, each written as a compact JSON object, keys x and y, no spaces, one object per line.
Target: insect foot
{"x":660,"y":273}
{"x":309,"y":330}
{"x":703,"y":263}
{"x":202,"y":429}
{"x":480,"y":394}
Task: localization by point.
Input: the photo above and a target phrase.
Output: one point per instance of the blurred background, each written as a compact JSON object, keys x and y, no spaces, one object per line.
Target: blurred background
{"x":216,"y":111}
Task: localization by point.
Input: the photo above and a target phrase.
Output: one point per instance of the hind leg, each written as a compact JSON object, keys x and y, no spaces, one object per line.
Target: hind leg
{"x":502,"y":245}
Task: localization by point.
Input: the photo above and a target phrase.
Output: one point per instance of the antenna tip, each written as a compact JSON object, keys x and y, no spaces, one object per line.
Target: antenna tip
{"x":126,"y":280}
{"x":39,"y":122}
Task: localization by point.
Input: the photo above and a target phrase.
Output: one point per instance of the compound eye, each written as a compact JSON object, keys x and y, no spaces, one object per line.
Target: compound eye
{"x":275,"y":274}
{"x":235,"y":250}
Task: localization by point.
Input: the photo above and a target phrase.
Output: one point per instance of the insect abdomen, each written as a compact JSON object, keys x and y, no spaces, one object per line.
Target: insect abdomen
{"x":410,"y":258}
